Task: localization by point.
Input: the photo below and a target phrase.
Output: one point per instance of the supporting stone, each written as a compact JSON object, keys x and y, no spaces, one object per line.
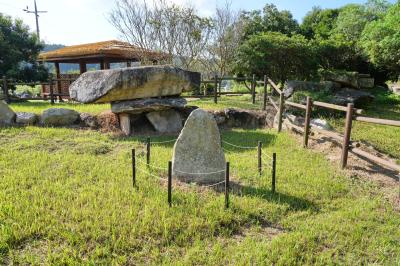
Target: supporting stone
{"x":125,"y":123}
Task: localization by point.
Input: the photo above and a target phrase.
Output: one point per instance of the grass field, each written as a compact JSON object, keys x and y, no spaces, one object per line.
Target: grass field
{"x":66,"y":198}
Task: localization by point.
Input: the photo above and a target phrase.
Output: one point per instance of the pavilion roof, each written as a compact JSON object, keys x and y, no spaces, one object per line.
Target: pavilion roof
{"x":113,"y":49}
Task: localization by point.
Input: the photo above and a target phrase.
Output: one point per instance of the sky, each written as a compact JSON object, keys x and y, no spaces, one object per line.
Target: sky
{"x":71,"y":22}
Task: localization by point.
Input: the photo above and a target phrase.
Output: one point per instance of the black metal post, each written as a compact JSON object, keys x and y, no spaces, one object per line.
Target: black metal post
{"x":227,"y":185}
{"x":259,"y":157}
{"x":265,"y":92}
{"x":169,"y":183}
{"x":215,"y":89}
{"x":148,"y":152}
{"x":273,"y":172}
{"x":133,"y":168}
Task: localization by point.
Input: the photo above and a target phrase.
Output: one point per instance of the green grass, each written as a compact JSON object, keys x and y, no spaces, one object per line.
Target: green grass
{"x":66,"y":198}
{"x":39,"y":106}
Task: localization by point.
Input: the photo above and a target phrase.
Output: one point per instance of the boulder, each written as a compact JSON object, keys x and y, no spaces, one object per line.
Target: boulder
{"x":345,"y":78}
{"x":395,"y":89}
{"x":296,"y":85}
{"x":198,"y":156}
{"x":132,"y":83}
{"x":59,"y":117}
{"x":320,"y":123}
{"x":366,"y":83}
{"x":147,"y":105}
{"x":166,"y":121}
{"x":357,"y":97}
{"x":7,"y":116}
{"x":88,"y":120}
{"x":25,"y":118}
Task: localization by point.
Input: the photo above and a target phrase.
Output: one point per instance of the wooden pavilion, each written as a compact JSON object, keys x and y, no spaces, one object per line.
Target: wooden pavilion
{"x":102,"y":53}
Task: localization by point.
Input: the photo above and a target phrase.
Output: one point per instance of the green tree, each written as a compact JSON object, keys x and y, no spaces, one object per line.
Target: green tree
{"x":381,"y":41}
{"x":319,"y":23}
{"x":278,"y":55}
{"x":270,"y":19}
{"x":18,"y":51}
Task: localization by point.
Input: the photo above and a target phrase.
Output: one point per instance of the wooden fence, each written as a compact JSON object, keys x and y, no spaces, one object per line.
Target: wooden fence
{"x":345,"y":138}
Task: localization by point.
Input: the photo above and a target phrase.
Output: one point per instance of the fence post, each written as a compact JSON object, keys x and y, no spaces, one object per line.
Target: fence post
{"x":273,"y":172}
{"x":169,"y":183}
{"x":215,"y":88}
{"x":133,"y":168}
{"x":265,"y":92}
{"x":5,"y":90}
{"x":259,"y":147}
{"x":307,"y":121}
{"x":280,"y":111}
{"x":347,"y":133}
{"x":51,"y":90}
{"x":148,"y":152}
{"x":227,"y":185}
{"x":253,"y":89}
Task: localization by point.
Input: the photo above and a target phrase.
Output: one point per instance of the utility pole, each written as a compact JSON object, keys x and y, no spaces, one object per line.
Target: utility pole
{"x":36,"y":12}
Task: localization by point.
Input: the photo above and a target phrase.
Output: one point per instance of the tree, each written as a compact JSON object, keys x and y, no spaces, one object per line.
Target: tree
{"x":381,"y":41}
{"x":319,"y":23}
{"x":224,"y":42}
{"x":279,"y":56}
{"x":177,"y":31}
{"x":19,"y":49}
{"x":271,"y":19}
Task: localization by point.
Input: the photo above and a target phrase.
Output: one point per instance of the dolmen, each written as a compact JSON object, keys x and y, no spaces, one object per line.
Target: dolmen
{"x":136,"y":93}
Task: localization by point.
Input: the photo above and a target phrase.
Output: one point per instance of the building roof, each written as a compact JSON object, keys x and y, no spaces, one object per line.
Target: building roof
{"x":91,"y":52}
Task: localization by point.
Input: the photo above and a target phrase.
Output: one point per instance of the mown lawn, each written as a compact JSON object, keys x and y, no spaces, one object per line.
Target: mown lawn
{"x":66,"y":197}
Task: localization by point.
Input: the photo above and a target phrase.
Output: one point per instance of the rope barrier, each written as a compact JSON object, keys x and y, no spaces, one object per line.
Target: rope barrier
{"x":146,"y":172}
{"x":209,"y":173}
{"x":241,"y":147}
{"x":213,"y":185}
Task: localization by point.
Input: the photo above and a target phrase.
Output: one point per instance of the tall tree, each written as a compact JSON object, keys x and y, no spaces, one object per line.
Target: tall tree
{"x":18,"y":51}
{"x":319,"y":23}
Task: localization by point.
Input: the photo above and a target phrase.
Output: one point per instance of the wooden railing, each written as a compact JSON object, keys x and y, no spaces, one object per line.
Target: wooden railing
{"x":345,"y":138}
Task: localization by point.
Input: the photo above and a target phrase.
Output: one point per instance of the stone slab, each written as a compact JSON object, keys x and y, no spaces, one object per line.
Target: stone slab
{"x":147,"y":105}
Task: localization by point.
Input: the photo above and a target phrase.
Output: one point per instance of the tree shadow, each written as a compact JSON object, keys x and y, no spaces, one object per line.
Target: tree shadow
{"x":295,"y":203}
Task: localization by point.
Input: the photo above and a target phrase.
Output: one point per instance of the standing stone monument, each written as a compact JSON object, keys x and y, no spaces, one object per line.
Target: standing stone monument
{"x":198,"y":150}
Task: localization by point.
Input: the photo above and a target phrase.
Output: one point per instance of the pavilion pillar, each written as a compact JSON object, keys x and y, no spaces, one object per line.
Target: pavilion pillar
{"x":58,"y":77}
{"x":82,"y":67}
{"x":101,"y":64}
{"x":106,"y":64}
{"x":128,"y":63}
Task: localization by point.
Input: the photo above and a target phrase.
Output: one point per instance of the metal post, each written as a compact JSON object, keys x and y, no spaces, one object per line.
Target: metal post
{"x":227,"y":185}
{"x":5,"y":90}
{"x":133,"y":168}
{"x":169,"y":183}
{"x":253,"y":89}
{"x":273,"y":172}
{"x":148,"y":152}
{"x":347,"y":133}
{"x":259,"y":157}
{"x":280,"y":111}
{"x":307,"y":121}
{"x":265,"y":92}
{"x":51,"y":90}
{"x":215,"y":88}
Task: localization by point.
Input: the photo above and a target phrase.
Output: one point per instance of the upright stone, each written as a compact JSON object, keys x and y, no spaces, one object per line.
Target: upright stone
{"x":166,"y":121}
{"x":132,"y":83}
{"x":198,"y":155}
{"x":7,"y":116}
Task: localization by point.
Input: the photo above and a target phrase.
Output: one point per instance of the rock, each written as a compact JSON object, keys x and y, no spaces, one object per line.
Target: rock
{"x":26,"y":118}
{"x":132,"y":83}
{"x":166,"y":121}
{"x":198,"y":150}
{"x":343,"y":77}
{"x":219,"y":117}
{"x":366,"y":83}
{"x":357,"y":97}
{"x":296,"y":85}
{"x":88,"y":120}
{"x":395,"y":89}
{"x":7,"y":116}
{"x":147,"y":105}
{"x":320,"y":123}
{"x":59,"y":117}
{"x":244,"y":118}
{"x":108,"y":122}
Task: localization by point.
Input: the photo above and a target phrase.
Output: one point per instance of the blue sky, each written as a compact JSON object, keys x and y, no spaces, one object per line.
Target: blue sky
{"x":81,"y":21}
